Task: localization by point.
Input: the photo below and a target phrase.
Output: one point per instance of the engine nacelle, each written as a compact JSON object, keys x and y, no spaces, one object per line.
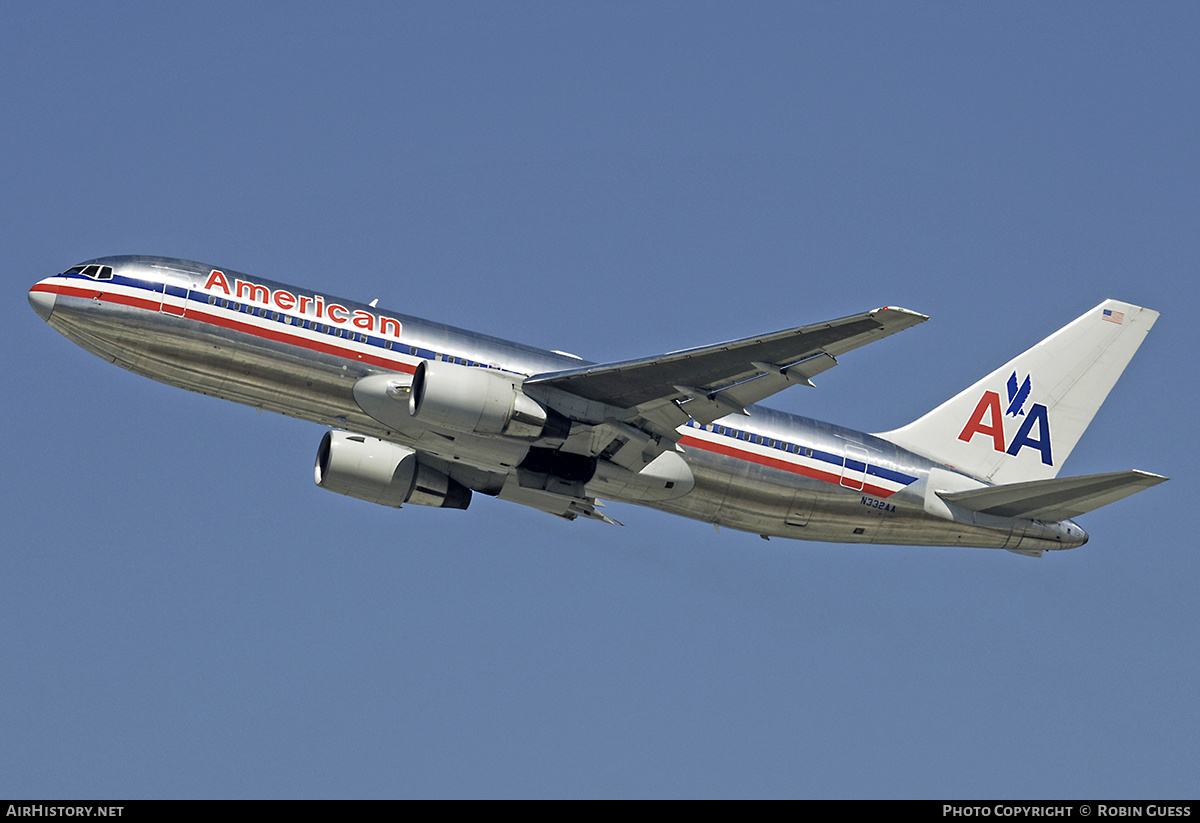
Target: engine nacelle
{"x":473,"y":401}
{"x":376,"y":471}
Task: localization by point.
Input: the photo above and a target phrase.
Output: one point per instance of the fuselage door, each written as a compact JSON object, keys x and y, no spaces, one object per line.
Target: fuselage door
{"x":854,"y":467}
{"x":175,"y":290}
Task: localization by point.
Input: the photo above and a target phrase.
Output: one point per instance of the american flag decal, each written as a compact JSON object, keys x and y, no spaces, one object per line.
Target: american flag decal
{"x":1117,"y":317}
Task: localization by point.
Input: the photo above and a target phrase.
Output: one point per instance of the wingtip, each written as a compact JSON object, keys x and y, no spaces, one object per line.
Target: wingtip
{"x":919,"y":318}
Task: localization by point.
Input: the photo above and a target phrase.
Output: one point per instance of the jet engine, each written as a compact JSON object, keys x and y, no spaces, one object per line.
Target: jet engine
{"x":374,"y":470}
{"x":473,"y":401}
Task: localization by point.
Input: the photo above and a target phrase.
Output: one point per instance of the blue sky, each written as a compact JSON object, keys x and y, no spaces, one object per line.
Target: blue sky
{"x":186,"y":615}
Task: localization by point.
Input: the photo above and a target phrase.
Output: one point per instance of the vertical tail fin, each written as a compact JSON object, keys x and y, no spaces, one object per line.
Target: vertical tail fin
{"x":1022,"y":421}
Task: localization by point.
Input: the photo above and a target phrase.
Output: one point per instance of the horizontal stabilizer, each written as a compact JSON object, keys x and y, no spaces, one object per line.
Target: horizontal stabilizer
{"x":1060,"y":498}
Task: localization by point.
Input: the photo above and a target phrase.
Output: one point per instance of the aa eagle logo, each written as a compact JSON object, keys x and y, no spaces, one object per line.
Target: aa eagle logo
{"x":988,"y":420}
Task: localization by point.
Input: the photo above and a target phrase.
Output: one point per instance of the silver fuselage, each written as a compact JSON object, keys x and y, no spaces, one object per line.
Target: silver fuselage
{"x":768,"y":473}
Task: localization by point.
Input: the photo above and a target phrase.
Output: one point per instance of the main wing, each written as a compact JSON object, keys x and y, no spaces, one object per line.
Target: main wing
{"x":710,"y":382}
{"x":612,"y":428}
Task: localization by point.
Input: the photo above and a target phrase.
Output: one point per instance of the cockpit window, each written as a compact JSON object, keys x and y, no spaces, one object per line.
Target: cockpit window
{"x":94,"y":271}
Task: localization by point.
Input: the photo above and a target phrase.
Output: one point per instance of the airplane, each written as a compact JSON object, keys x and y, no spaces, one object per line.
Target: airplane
{"x":424,"y":413}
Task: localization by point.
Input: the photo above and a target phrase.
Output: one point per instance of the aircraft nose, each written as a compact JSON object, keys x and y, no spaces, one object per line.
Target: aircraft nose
{"x":42,"y":300}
